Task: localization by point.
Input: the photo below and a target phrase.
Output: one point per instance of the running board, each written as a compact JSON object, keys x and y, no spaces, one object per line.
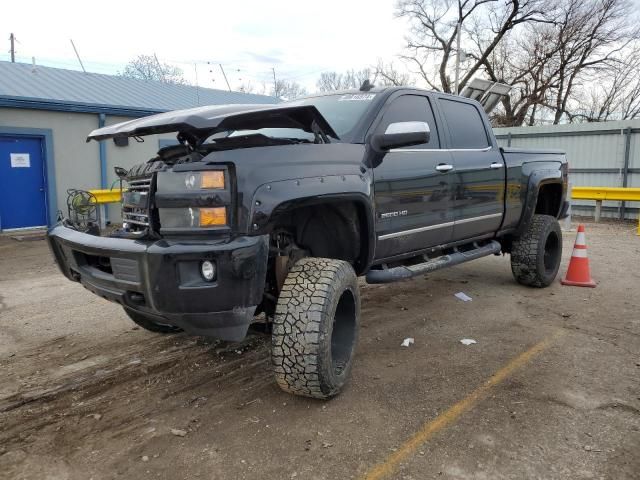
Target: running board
{"x":403,"y":272}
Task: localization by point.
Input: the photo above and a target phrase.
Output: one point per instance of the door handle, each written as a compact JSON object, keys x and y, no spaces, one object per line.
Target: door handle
{"x":444,"y":167}
{"x":496,"y":165}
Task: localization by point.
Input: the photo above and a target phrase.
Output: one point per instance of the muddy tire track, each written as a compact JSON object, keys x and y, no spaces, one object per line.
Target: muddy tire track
{"x":139,"y":381}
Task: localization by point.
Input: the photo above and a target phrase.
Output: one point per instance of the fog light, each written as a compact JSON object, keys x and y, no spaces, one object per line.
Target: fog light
{"x":208,"y":270}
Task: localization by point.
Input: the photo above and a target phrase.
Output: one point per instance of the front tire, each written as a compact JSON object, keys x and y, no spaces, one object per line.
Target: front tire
{"x":536,"y":254}
{"x":149,"y":323}
{"x":315,"y":328}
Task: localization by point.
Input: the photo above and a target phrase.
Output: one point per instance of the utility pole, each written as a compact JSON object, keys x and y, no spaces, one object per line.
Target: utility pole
{"x":275,"y":83}
{"x":225,"y":76}
{"x":12,"y":38}
{"x":160,"y":71}
{"x":77,"y":55}
{"x":459,"y":27}
{"x":195,"y":67}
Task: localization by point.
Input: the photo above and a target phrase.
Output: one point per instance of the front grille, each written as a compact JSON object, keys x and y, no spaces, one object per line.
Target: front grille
{"x":135,"y":207}
{"x":139,"y":216}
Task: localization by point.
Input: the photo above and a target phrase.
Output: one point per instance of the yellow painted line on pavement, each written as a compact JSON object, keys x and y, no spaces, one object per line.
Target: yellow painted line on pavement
{"x":443,"y":420}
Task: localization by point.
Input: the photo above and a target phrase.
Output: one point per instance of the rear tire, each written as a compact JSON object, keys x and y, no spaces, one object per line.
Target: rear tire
{"x":315,"y":328}
{"x":536,"y":254}
{"x":149,"y":323}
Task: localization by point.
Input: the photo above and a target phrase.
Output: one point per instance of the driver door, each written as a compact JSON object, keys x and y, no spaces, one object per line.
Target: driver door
{"x":413,"y":185}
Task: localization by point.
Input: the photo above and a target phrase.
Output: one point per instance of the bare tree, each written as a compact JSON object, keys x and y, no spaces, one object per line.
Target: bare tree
{"x":386,"y":74}
{"x":526,"y":64}
{"x":382,"y":74}
{"x":546,"y":49}
{"x":147,"y":67}
{"x":549,"y":64}
{"x":615,"y":96}
{"x":434,"y":28}
{"x":250,"y":87}
{"x":590,"y":36}
{"x":331,"y":81}
{"x":287,"y":90}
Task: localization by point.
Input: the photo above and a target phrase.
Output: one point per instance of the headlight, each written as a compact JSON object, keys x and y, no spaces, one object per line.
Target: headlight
{"x":193,"y":217}
{"x":176,"y":182}
{"x":178,"y":194}
{"x":204,"y":180}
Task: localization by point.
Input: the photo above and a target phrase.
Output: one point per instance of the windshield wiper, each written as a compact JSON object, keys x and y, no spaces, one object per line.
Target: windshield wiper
{"x":320,"y":136}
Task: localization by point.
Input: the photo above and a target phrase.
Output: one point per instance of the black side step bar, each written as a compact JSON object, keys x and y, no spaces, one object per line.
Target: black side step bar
{"x":403,"y":272}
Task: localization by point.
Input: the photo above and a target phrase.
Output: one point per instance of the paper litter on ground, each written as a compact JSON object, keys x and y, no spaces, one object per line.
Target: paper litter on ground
{"x":463,"y":296}
{"x":468,"y":341}
{"x":406,"y":342}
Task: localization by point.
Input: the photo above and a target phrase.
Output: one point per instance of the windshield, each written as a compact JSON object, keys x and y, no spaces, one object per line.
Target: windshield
{"x":341,"y":111}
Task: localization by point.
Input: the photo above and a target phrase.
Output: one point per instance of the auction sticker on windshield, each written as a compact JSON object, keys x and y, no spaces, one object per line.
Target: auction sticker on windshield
{"x":357,"y":97}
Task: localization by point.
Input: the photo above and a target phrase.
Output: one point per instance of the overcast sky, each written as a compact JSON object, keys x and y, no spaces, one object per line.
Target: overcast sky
{"x":299,"y":39}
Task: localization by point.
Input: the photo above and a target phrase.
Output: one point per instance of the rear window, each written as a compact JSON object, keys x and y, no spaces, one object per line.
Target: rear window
{"x":466,"y":127}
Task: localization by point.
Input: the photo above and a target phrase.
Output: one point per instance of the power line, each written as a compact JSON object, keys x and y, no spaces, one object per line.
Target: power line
{"x":259,"y":76}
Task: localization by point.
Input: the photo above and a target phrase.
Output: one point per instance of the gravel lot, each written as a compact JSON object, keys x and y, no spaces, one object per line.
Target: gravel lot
{"x":85,"y":394}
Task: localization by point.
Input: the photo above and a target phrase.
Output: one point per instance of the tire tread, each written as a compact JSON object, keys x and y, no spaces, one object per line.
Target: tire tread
{"x":299,"y":324}
{"x":525,"y":252}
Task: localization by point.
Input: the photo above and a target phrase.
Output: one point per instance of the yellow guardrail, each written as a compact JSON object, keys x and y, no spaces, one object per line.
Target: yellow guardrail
{"x":606,"y":193}
{"x":107,"y":196}
{"x":599,"y":194}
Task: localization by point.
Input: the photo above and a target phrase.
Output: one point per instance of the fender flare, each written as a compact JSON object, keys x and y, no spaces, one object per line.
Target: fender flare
{"x":537,"y":179}
{"x":270,"y":200}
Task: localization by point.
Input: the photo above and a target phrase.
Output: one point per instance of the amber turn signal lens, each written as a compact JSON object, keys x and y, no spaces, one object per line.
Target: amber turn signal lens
{"x":211,"y":217}
{"x":213,"y":179}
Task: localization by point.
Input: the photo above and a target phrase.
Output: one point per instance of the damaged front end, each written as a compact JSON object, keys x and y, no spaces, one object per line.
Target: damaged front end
{"x":139,"y":216}
{"x":179,"y":258}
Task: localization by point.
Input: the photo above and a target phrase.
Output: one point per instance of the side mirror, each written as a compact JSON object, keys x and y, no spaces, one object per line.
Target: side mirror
{"x":401,"y":134}
{"x":121,"y":172}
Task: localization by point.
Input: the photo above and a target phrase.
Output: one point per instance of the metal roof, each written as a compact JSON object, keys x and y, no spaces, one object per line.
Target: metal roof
{"x":27,"y":86}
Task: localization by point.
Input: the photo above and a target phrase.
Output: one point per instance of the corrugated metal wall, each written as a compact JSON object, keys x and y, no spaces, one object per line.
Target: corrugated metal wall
{"x":596,"y":154}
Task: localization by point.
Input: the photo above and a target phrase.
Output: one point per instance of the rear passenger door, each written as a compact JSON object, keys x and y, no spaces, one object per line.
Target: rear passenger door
{"x":479,"y":178}
{"x":412,"y":185}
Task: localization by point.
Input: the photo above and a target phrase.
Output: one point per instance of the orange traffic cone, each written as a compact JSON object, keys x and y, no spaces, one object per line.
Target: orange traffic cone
{"x":579,"y":273}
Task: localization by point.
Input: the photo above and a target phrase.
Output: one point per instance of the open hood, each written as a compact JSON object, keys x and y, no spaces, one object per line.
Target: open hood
{"x":207,"y":120}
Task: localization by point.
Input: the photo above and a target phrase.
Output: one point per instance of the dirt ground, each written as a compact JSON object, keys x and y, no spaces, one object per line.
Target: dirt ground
{"x":85,"y":394}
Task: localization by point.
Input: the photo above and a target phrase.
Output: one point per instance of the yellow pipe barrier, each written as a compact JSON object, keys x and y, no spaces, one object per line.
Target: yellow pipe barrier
{"x":606,"y":193}
{"x":599,"y":194}
{"x":107,"y":196}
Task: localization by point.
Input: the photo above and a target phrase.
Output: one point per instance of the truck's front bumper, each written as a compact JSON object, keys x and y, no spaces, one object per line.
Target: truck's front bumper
{"x":162,"y":278}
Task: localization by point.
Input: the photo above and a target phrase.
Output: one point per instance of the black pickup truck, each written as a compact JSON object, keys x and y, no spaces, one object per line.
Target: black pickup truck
{"x":278,"y":209}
